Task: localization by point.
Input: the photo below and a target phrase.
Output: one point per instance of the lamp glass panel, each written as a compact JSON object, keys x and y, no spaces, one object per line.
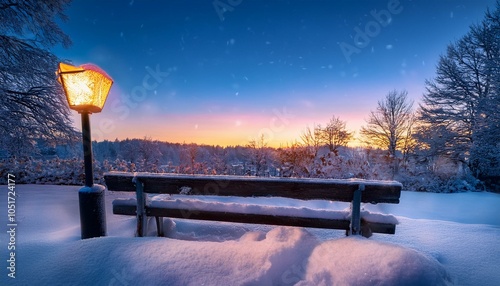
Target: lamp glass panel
{"x":86,"y":87}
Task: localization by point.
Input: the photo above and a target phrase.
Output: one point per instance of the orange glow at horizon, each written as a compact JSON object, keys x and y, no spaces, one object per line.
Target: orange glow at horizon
{"x":212,"y":129}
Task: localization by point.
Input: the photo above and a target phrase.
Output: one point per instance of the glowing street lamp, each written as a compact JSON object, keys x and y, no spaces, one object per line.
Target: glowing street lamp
{"x":86,"y":88}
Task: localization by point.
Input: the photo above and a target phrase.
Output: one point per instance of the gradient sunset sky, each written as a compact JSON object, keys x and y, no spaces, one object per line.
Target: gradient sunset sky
{"x":190,"y":71}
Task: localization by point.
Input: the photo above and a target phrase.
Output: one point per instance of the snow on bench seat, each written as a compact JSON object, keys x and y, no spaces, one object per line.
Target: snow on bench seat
{"x":259,"y":209}
{"x":247,"y":186}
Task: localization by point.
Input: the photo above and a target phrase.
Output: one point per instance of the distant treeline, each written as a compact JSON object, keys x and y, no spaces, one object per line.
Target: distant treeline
{"x":64,"y":165}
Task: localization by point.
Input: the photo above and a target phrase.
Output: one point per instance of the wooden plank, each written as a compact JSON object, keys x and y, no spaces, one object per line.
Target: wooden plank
{"x":126,"y":207}
{"x":250,"y":218}
{"x":378,"y":227}
{"x":304,"y":188}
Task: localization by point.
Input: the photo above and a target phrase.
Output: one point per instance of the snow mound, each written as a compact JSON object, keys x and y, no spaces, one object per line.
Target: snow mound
{"x":359,"y":261}
{"x":254,"y":259}
{"x":282,"y":256}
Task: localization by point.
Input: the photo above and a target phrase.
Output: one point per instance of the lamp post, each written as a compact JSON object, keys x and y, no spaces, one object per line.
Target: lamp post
{"x":86,"y":88}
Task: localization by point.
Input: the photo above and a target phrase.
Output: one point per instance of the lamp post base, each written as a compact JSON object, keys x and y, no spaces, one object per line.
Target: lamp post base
{"x":92,"y":211}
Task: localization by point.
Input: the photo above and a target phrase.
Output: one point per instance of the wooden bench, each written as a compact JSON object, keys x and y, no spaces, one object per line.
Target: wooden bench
{"x":354,"y":191}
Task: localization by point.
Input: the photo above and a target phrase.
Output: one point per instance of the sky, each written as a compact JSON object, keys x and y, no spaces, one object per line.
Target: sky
{"x":225,"y":72}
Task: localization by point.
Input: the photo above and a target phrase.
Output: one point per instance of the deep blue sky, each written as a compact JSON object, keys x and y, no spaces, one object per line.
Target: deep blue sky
{"x":231,"y":80}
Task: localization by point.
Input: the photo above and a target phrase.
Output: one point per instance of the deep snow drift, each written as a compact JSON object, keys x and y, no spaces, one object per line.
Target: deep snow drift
{"x":442,"y":239}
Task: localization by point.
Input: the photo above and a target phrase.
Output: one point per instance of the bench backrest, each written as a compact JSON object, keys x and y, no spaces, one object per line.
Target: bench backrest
{"x":240,"y":186}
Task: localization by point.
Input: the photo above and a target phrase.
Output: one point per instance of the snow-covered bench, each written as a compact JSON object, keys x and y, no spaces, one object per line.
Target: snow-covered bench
{"x":186,"y":193}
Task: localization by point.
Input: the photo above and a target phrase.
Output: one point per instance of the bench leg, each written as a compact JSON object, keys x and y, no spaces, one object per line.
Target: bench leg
{"x":356,"y":211}
{"x":366,"y":231}
{"x":141,"y":209}
{"x":159,"y":225}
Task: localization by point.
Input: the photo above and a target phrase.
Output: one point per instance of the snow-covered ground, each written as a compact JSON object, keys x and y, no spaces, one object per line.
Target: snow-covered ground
{"x":442,"y":239}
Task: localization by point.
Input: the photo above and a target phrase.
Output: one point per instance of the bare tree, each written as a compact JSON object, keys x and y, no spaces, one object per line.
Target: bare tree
{"x":390,"y":126}
{"x":335,"y":134}
{"x":311,"y":139}
{"x":32,"y":104}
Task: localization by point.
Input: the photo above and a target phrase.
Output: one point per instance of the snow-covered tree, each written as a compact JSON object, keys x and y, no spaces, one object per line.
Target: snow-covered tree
{"x":259,"y":155}
{"x":32,"y":103}
{"x":462,"y":101}
{"x":219,"y":162}
{"x":150,"y":153}
{"x":129,"y":150}
{"x":188,"y":159}
{"x":296,"y":160}
{"x":390,"y":125}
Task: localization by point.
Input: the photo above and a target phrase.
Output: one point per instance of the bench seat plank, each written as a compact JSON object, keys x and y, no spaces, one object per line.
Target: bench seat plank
{"x":128,"y":207}
{"x":245,"y":186}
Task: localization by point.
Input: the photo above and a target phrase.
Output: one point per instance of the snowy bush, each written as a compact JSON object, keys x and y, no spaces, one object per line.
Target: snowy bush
{"x":57,"y":171}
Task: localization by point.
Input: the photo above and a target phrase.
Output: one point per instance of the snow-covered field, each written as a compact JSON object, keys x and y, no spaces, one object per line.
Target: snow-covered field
{"x":442,"y":239}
